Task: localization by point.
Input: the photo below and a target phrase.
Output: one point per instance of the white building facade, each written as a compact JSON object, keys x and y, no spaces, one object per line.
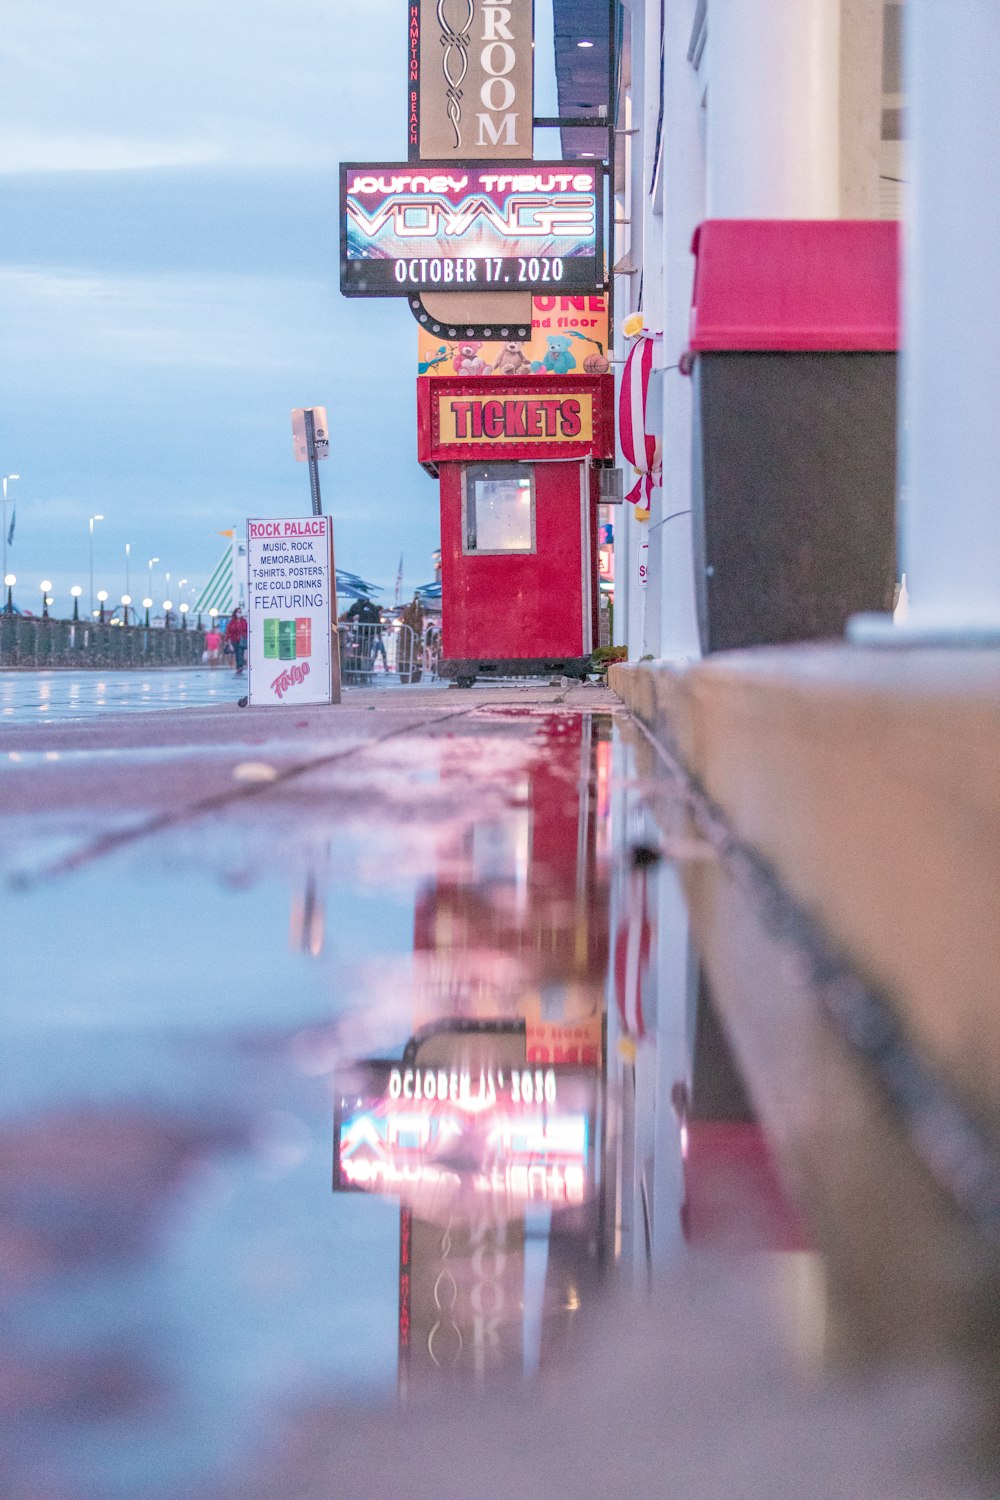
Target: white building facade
{"x":793,"y":109}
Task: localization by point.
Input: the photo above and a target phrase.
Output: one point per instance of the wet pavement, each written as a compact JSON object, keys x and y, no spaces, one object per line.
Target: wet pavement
{"x":368,"y":1127}
{"x":34,"y":697}
{"x":47,"y":697}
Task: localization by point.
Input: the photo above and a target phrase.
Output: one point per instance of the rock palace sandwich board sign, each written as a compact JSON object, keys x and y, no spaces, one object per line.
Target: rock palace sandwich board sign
{"x":289,"y":612}
{"x":470,"y":227}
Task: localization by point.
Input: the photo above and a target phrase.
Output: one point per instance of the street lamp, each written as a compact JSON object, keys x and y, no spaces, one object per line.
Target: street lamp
{"x":149,"y":565}
{"x":5,"y":479}
{"x":45,"y":585}
{"x":91,"y":524}
{"x":126,"y":601}
{"x":9,"y":579}
{"x":147,"y":605}
{"x":167,"y":607}
{"x":184,"y":615}
{"x":76,"y":591}
{"x":128,"y":553}
{"x":102,"y":599}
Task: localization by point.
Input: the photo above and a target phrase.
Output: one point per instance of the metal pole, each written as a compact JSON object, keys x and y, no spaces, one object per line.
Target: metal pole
{"x":5,"y":479}
{"x":317,"y":504}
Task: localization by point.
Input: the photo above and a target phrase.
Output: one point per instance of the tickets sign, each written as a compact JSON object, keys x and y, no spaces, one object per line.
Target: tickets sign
{"x":550,"y":416}
{"x":459,"y":227}
{"x":524,"y":417}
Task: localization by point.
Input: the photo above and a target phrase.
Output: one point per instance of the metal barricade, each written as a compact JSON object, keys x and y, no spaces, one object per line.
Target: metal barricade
{"x":432,"y":649}
{"x":37,"y":644}
{"x":378,"y":655}
{"x":370,"y":655}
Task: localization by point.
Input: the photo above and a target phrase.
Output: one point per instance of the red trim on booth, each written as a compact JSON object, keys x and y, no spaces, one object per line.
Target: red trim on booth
{"x":799,"y":284}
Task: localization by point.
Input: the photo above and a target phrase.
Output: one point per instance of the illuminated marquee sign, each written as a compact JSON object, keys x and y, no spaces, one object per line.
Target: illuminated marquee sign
{"x":517,"y":1134}
{"x":459,"y":227}
{"x":550,"y":418}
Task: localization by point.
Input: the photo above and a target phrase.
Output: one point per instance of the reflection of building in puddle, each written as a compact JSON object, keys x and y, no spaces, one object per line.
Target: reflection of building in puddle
{"x":735,"y":1198}
{"x":497,"y":1167}
{"x":524,"y":934}
{"x":490,"y":1128}
{"x":690,"y":1168}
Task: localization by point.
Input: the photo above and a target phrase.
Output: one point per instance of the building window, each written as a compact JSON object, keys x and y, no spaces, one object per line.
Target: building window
{"x":498,"y":508}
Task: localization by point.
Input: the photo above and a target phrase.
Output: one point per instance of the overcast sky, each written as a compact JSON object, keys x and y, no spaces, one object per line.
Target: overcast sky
{"x":169,"y":285}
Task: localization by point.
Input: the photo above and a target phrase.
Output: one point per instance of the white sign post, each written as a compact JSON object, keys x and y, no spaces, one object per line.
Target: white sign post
{"x":311,"y":442}
{"x":293,"y":655}
{"x":300,"y":433}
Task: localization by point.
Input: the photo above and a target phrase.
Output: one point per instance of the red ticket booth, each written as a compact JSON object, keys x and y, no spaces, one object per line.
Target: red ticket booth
{"x":515,"y":458}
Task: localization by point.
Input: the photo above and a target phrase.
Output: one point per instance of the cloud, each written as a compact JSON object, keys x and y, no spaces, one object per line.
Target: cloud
{"x":225,"y":322}
{"x":41,"y":151}
{"x":240,"y":81}
{"x":168,"y":277}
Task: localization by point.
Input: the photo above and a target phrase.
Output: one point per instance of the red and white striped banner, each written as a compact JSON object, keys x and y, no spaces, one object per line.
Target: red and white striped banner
{"x":641,"y":449}
{"x":632,"y":955}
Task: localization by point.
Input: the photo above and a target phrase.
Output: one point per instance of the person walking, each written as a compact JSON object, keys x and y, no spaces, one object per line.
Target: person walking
{"x":236,"y":636}
{"x":213,"y":645}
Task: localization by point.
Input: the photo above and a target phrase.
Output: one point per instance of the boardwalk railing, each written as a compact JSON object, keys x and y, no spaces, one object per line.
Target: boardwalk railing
{"x":36,"y":643}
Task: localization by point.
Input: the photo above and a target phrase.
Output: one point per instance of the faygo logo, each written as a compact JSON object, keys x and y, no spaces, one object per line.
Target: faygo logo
{"x":291,"y":677}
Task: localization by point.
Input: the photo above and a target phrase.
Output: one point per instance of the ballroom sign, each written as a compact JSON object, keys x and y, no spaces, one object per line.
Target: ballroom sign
{"x":451,"y":226}
{"x":469,"y":79}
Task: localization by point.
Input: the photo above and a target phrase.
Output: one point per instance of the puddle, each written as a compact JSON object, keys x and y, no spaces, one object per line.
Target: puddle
{"x":28,"y":697}
{"x":376,"y":1090}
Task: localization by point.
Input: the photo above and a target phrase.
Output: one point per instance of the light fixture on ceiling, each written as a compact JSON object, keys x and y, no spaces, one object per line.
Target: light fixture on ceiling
{"x":584,"y":44}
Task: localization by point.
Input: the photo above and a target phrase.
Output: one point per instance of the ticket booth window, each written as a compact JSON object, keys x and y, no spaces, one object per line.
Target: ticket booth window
{"x":498,"y":503}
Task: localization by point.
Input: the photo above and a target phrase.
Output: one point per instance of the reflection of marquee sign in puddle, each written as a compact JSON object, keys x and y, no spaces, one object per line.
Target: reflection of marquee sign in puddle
{"x":478,"y":1144}
{"x":438,"y":1135}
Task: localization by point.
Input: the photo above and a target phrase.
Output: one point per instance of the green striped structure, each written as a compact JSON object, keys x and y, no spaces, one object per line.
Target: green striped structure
{"x":219,"y":592}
